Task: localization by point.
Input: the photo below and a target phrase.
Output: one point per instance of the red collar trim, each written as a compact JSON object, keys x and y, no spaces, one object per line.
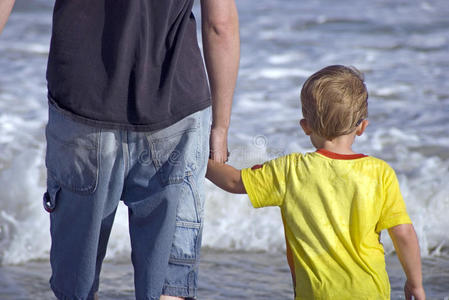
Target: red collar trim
{"x":339,"y":156}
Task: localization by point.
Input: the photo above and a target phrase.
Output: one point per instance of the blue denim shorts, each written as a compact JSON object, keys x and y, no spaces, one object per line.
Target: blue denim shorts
{"x":159,"y":175}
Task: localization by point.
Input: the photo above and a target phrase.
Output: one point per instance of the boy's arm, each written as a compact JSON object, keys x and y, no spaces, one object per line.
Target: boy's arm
{"x":5,"y":11}
{"x":407,"y":248}
{"x":225,"y":176}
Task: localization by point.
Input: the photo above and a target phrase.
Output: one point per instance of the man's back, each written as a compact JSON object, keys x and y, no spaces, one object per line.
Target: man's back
{"x":134,"y":68}
{"x":127,"y":64}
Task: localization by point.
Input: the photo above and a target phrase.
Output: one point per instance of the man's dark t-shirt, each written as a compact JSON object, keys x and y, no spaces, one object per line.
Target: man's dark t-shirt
{"x":130,"y":64}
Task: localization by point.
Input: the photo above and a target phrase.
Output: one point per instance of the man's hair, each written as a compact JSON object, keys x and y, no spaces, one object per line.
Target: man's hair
{"x":334,"y":101}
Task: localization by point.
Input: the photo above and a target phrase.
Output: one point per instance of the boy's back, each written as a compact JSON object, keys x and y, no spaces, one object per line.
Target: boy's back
{"x":334,"y":207}
{"x":334,"y":202}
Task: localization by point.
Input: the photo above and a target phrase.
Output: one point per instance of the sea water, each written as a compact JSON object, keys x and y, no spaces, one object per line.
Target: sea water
{"x":401,"y":46}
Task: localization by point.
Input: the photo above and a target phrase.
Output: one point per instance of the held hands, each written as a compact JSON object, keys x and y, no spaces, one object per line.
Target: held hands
{"x":416,"y":293}
{"x":221,"y":174}
{"x":219,"y":144}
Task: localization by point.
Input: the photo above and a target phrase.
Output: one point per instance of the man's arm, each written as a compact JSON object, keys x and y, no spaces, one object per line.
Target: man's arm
{"x":407,"y":248}
{"x":225,"y":177}
{"x":221,"y":44}
{"x":5,"y":11}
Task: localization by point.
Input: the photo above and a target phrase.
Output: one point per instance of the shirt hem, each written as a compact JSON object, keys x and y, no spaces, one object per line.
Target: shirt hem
{"x":129,"y":126}
{"x":397,"y":221}
{"x":249,"y":188}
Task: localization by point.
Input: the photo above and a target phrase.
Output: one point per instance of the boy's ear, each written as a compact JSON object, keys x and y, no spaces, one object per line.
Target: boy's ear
{"x":361,"y":128}
{"x":305,"y":127}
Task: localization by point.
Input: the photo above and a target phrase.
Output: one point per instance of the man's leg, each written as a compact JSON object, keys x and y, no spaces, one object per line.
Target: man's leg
{"x":83,"y":189}
{"x":182,"y":276}
{"x":163,"y":191}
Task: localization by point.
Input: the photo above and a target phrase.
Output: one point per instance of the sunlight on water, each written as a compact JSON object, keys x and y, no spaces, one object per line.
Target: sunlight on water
{"x":404,"y":57}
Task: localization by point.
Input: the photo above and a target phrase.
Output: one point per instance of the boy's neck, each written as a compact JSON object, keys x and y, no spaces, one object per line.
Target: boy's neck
{"x":339,"y":145}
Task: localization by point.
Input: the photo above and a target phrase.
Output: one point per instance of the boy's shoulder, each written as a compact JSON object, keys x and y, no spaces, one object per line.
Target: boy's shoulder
{"x":379,"y":162}
{"x":368,"y":160}
{"x":296,"y":158}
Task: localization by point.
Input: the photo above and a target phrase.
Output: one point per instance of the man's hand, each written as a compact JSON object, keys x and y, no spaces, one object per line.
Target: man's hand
{"x":5,"y":11}
{"x":219,"y":144}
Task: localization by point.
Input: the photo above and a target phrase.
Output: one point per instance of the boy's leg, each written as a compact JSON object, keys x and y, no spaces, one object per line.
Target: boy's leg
{"x":164,"y":194}
{"x":84,"y":182}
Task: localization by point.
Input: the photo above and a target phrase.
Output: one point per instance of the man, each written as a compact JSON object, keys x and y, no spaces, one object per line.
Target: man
{"x":129,"y":119}
{"x":5,"y":10}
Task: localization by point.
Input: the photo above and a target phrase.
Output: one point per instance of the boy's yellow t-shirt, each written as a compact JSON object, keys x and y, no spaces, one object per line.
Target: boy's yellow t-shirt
{"x":334,"y":208}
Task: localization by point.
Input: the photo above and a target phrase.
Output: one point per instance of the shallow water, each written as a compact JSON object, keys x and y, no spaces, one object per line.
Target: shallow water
{"x":223,"y":276}
{"x":401,"y":46}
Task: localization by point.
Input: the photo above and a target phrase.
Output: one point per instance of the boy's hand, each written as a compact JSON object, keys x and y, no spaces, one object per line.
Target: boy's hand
{"x":417,"y":293}
{"x":406,"y":244}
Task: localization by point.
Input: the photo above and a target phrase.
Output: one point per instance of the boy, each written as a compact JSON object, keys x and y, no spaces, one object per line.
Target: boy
{"x":334,"y":202}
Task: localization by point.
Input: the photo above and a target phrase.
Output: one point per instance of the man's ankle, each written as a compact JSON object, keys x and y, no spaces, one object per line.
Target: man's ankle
{"x":165,"y":297}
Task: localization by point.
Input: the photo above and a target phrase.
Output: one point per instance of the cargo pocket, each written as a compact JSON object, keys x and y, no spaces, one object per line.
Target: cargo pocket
{"x":187,"y":238}
{"x":72,"y":153}
{"x":175,"y":150}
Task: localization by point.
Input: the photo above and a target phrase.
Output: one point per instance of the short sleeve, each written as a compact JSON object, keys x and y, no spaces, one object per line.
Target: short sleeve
{"x":266,"y":184}
{"x":394,"y":211}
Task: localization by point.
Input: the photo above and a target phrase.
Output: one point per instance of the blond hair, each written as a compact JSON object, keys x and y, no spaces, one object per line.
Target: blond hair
{"x":334,"y":101}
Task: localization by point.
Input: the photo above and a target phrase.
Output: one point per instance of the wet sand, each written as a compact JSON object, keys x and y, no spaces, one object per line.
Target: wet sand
{"x":223,"y":275}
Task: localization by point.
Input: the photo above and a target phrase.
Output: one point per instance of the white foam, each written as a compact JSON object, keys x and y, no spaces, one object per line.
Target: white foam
{"x":24,"y":232}
{"x":232,"y":223}
{"x":278,"y":73}
{"x":119,"y":243}
{"x":406,"y":74}
{"x":284,"y":58}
